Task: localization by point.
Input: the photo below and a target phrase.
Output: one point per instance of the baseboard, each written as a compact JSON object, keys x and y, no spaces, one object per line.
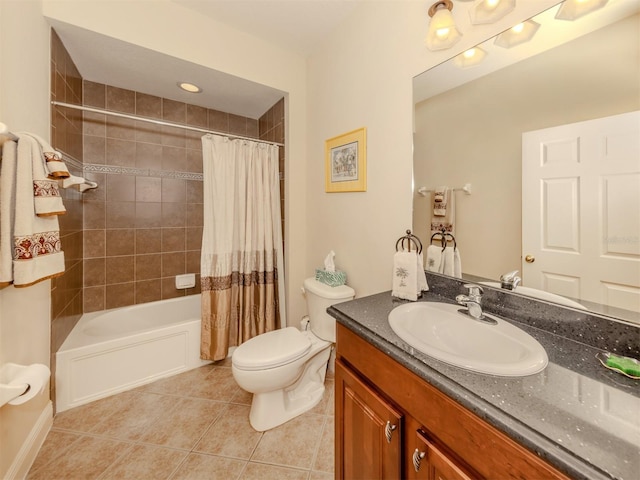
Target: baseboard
{"x":30,"y":448}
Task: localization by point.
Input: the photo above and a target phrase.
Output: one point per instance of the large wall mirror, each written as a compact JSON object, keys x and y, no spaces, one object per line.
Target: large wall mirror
{"x":469,"y":126}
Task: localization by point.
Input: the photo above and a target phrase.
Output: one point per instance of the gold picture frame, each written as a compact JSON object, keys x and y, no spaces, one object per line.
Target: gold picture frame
{"x":346,"y":162}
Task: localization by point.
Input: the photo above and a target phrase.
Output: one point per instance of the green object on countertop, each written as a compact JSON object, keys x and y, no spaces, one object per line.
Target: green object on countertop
{"x":624,"y":364}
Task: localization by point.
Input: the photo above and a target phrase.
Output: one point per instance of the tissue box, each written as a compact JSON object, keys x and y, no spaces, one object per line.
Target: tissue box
{"x":333,"y":279}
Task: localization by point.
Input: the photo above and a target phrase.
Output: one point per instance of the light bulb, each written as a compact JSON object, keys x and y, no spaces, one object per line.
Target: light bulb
{"x":442,"y":32}
{"x":469,"y":53}
{"x":518,"y":28}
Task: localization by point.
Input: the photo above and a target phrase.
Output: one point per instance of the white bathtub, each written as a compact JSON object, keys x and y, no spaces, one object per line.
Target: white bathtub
{"x":115,"y":350}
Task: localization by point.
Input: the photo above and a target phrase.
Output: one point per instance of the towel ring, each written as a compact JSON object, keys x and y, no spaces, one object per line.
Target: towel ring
{"x":409,"y":239}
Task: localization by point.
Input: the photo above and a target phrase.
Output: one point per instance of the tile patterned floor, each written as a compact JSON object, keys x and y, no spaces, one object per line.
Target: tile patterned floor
{"x":190,"y":426}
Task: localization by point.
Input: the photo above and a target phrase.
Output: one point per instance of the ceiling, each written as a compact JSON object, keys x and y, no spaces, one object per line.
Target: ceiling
{"x":295,"y":25}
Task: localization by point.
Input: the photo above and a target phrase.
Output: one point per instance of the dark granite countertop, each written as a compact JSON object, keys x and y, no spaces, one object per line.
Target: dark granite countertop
{"x":579,"y":416}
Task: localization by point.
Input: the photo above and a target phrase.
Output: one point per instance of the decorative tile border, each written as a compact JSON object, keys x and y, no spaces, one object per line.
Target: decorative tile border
{"x":175,"y":174}
{"x":94,"y":168}
{"x":117,"y":170}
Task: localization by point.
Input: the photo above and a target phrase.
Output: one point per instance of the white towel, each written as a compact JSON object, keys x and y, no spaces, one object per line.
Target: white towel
{"x":444,"y":217}
{"x":7,"y":210}
{"x":46,"y":194}
{"x":451,"y":264}
{"x":457,"y":264}
{"x":434,"y":259}
{"x":409,"y":279}
{"x":37,"y":253}
{"x":79,"y":183}
{"x":52,"y":159}
{"x":440,"y":200}
{"x":423,"y":286}
{"x":447,"y":261}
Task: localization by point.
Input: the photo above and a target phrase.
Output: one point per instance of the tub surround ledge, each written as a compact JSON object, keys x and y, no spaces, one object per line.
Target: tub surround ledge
{"x":577,"y":415}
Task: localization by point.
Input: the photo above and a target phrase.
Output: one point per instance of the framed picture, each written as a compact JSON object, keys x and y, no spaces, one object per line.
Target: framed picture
{"x":346,"y":162}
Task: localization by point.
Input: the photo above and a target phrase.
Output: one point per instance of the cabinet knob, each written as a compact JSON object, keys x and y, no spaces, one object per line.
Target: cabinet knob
{"x":417,"y":458}
{"x":388,"y":430}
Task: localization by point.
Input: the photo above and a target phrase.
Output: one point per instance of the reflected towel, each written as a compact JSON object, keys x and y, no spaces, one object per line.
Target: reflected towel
{"x":423,"y":286}
{"x":446,"y":220}
{"x":434,"y":259}
{"x":457,"y":264}
{"x":440,"y":200}
{"x":451,"y":264}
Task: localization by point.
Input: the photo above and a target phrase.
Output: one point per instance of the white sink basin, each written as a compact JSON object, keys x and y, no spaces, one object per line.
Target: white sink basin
{"x":540,"y":294}
{"x":440,"y":331}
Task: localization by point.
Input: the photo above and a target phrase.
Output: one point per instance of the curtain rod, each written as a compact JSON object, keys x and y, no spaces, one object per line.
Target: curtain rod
{"x":158,"y":122}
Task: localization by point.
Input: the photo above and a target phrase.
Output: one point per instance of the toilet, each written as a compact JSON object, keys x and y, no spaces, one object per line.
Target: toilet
{"x":285,"y":369}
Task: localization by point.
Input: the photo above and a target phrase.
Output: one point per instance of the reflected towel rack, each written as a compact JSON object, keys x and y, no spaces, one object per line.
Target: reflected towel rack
{"x":444,"y":238}
{"x":408,"y":240}
{"x":466,"y":188}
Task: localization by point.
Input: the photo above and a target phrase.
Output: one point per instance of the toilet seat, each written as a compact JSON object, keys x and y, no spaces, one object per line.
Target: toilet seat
{"x":271,"y":349}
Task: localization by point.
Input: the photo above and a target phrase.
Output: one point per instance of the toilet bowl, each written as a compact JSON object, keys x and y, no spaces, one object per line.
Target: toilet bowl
{"x":285,"y":369}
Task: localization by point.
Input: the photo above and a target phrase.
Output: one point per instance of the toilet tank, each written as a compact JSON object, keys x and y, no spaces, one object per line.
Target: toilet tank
{"x":319,"y":298}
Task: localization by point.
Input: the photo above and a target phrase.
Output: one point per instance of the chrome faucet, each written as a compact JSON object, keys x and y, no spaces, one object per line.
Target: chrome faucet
{"x":473,"y":302}
{"x":510,"y":280}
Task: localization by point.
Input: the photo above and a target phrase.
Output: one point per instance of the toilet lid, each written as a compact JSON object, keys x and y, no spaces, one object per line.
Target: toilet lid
{"x":271,"y":349}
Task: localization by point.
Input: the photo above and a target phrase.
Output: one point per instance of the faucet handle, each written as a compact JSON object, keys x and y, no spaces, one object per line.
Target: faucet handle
{"x":509,"y":276}
{"x":510,"y":280}
{"x":474,"y":290}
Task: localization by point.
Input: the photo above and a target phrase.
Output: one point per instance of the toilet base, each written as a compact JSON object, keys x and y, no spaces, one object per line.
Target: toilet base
{"x":270,"y":409}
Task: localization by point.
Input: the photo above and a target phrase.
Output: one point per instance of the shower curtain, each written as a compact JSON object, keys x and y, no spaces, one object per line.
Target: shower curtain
{"x":242,"y":261}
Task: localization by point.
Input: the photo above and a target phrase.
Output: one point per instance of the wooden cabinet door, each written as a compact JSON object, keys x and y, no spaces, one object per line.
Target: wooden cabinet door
{"x":431,"y":463}
{"x":368,"y":431}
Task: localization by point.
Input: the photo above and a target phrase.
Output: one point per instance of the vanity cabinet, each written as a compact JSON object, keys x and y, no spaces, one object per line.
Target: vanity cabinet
{"x":387,"y":418}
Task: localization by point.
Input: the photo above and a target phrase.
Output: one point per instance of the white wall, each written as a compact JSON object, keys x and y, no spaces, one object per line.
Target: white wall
{"x":171,"y":29}
{"x":362,"y":77}
{"x":25,"y":312}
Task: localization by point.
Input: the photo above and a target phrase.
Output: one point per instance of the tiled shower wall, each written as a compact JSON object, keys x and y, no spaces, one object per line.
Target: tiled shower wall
{"x":126,"y":240}
{"x":66,"y":135}
{"x":271,"y":129}
{"x":143,"y":226}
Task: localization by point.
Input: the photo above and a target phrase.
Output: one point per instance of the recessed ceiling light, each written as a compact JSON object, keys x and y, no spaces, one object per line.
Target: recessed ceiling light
{"x":189,"y":87}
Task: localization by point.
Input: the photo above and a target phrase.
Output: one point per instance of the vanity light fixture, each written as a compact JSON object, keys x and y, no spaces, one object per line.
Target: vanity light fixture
{"x":443,"y":32}
{"x":470,"y":58}
{"x":489,"y":11}
{"x":189,"y":87}
{"x":521,"y":33}
{"x":573,"y":9}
